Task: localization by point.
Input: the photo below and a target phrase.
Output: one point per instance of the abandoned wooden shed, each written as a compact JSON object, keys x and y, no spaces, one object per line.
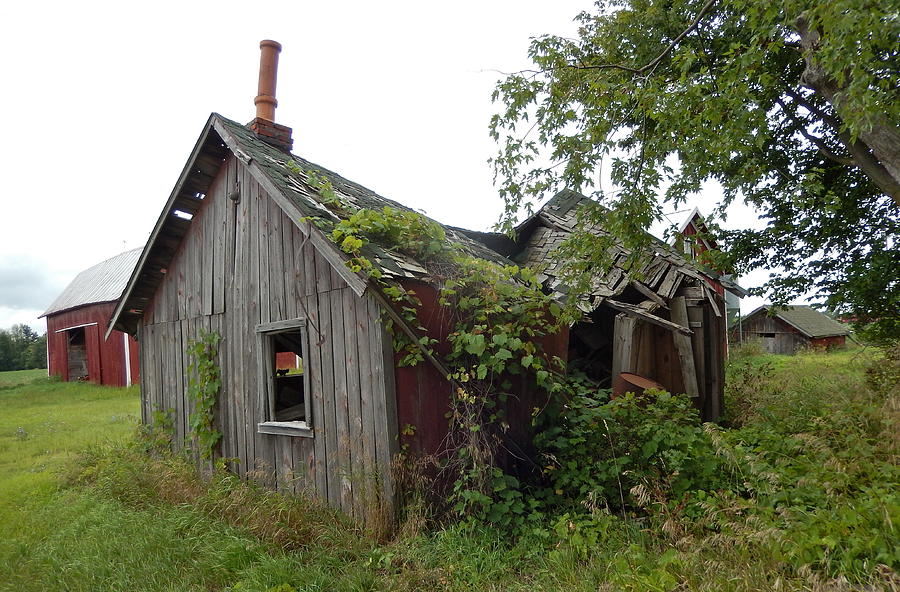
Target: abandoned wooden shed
{"x":662,"y":320}
{"x":784,"y":330}
{"x":235,"y":251}
{"x":77,"y":346}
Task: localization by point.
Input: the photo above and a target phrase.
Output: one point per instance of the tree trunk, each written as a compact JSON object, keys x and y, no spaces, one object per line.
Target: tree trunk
{"x":877,"y":149}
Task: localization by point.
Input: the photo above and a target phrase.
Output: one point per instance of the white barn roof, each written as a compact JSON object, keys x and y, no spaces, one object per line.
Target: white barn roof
{"x":103,"y":282}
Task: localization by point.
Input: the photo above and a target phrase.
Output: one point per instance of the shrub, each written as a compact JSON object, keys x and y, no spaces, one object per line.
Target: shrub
{"x":602,"y":449}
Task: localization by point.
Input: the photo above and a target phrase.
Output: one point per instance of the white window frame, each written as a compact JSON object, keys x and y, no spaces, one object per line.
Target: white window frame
{"x":266,"y":367}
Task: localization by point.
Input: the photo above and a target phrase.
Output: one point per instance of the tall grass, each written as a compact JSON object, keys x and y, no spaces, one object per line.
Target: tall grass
{"x":811,"y":451}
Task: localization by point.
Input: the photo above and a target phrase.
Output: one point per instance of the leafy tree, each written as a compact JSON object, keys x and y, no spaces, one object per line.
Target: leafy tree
{"x":21,"y":348}
{"x":791,"y":106}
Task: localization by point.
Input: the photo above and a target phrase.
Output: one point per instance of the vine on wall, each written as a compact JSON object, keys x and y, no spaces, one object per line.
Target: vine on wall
{"x":498,"y":316}
{"x":203,"y":390}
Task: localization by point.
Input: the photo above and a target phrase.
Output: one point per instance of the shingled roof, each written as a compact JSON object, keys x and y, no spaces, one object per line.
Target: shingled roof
{"x":286,"y":178}
{"x":806,"y":319}
{"x":102,"y":282}
{"x":290,"y":175}
{"x":658,"y":276}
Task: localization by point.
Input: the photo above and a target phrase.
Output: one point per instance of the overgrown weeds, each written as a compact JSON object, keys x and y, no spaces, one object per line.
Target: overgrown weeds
{"x":290,"y":523}
{"x":799,"y":492}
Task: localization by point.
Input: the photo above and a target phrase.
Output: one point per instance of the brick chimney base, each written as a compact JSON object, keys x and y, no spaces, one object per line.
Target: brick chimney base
{"x":273,"y":133}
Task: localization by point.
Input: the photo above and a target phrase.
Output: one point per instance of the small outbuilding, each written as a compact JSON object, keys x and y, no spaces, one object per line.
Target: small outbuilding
{"x":312,"y":390}
{"x":77,"y":346}
{"x":784,"y":330}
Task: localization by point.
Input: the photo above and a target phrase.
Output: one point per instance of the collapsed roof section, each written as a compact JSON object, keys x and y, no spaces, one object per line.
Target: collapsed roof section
{"x":657,"y":278}
{"x":287,"y":179}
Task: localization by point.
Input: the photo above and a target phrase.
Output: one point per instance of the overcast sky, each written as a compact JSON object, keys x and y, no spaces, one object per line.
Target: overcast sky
{"x":103,"y":102}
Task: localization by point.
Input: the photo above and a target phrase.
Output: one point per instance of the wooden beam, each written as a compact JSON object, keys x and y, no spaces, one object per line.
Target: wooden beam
{"x":623,"y":344}
{"x":684,"y":349}
{"x":636,"y":311}
{"x":643,"y":289}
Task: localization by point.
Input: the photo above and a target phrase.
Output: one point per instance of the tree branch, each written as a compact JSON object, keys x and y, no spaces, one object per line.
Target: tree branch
{"x":819,"y":142}
{"x":655,"y":61}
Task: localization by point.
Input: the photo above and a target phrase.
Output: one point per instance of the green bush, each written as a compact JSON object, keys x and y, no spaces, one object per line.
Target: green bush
{"x":602,"y":449}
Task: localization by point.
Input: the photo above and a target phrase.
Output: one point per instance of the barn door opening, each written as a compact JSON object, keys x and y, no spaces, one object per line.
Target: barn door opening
{"x":76,"y":353}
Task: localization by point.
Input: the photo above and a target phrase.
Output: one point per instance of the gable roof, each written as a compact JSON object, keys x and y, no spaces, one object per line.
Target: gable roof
{"x":102,"y":282}
{"x":695,"y":219}
{"x":805,"y":319}
{"x":285,"y":178}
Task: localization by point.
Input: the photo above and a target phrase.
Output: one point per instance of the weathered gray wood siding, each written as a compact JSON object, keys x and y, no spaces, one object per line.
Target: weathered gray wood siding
{"x":247,"y":263}
{"x":776,"y":336}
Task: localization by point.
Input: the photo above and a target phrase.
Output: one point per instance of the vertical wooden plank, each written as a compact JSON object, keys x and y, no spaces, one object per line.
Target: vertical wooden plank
{"x":381,"y":354}
{"x":698,"y":343}
{"x":304,"y":466}
{"x":222,"y":209}
{"x":683,"y":347}
{"x":309,"y":269}
{"x":341,"y":399}
{"x":284,"y":461}
{"x":623,"y":344}
{"x":147,"y":380}
{"x":238,"y":316}
{"x":262,"y":232}
{"x":354,"y":416}
{"x":173,"y":399}
{"x":366,"y":380}
{"x":181,"y":335}
{"x":327,"y":370}
{"x":257,"y":444}
{"x":145,"y":417}
{"x":276,"y":264}
{"x":265,"y":445}
{"x":293,"y":268}
{"x":228,"y":309}
{"x":314,"y":361}
{"x":323,"y":274}
{"x":208,"y":249}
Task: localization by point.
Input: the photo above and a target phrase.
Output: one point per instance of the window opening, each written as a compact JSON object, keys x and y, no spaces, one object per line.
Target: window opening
{"x":284,"y":382}
{"x":287,"y":362}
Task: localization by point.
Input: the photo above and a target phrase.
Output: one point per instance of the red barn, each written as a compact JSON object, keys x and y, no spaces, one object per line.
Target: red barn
{"x":77,"y":349}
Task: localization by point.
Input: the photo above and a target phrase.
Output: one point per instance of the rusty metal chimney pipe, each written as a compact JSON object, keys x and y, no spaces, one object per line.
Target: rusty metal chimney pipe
{"x":268,"y":74}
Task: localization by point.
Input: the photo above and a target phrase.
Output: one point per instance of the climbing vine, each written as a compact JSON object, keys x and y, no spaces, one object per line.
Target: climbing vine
{"x":498,"y":314}
{"x":203,"y":390}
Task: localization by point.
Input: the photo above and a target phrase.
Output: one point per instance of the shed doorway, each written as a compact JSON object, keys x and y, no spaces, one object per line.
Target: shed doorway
{"x":76,"y":354}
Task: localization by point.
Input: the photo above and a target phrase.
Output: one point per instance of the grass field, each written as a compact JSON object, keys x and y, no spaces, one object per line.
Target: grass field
{"x":82,"y":508}
{"x":17,"y":377}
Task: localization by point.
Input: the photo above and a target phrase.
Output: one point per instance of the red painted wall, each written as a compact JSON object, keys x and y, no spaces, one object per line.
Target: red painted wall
{"x":423,"y":394}
{"x":106,"y":359}
{"x":828,"y":342}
